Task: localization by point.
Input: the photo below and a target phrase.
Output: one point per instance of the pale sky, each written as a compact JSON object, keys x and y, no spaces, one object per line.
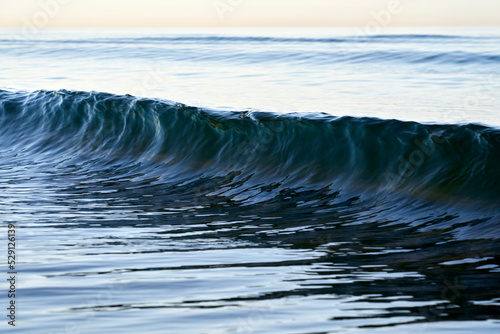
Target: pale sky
{"x":230,"y":13}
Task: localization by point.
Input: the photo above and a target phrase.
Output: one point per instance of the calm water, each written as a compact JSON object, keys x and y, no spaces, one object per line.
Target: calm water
{"x":252,"y":181}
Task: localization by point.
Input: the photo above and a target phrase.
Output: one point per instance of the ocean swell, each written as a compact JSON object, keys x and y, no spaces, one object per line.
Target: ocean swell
{"x":442,"y":160}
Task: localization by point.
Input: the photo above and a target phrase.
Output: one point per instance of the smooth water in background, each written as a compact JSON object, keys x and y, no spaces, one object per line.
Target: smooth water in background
{"x":252,"y":181}
{"x":426,"y":75}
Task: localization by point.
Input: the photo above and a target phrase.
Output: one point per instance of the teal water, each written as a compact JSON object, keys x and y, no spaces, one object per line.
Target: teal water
{"x":251,"y":181}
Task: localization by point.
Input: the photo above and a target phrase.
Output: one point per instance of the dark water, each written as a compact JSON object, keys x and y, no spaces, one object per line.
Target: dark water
{"x":144,"y":215}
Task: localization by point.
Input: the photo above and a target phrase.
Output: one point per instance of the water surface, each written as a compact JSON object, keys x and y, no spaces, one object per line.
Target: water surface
{"x":250,"y":181}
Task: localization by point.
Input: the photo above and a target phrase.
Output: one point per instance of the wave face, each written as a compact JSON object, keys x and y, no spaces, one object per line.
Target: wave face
{"x":427,"y":161}
{"x":383,"y":209}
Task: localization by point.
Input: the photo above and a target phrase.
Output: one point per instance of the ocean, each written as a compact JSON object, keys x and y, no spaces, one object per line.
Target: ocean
{"x":297,"y":181}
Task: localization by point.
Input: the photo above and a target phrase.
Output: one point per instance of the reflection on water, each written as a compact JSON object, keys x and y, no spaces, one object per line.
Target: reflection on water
{"x":125,"y":251}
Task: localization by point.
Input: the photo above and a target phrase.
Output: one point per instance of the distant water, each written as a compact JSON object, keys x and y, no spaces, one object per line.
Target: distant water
{"x":252,"y":181}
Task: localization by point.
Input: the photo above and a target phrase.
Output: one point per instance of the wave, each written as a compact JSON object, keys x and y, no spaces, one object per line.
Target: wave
{"x":313,"y":51}
{"x":435,"y":162}
{"x":361,"y":37}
